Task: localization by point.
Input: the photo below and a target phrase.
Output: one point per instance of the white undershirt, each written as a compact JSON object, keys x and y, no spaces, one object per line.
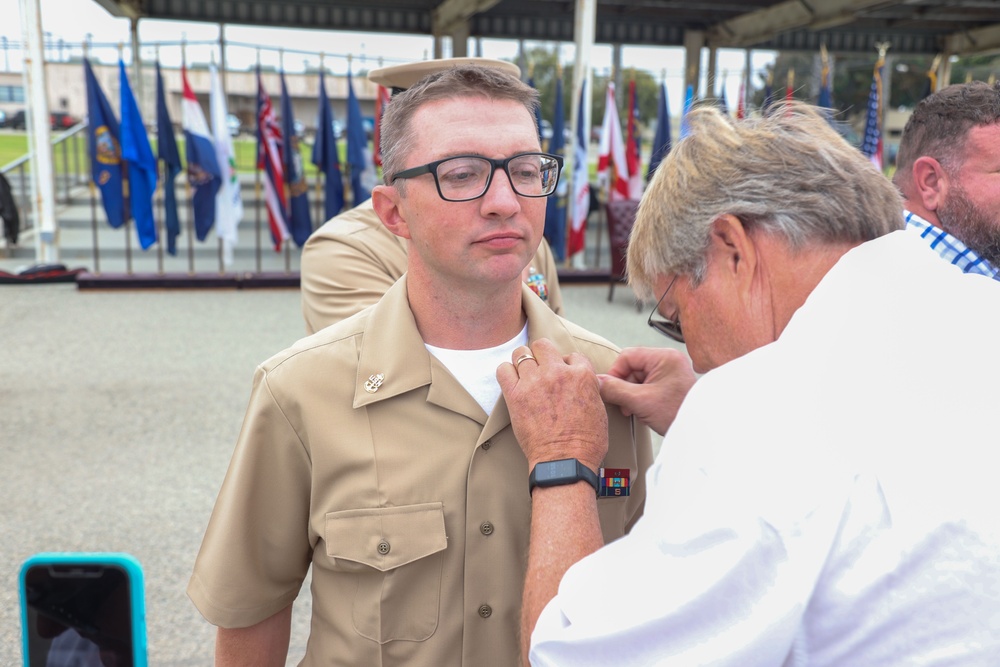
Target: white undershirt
{"x":476,"y":370}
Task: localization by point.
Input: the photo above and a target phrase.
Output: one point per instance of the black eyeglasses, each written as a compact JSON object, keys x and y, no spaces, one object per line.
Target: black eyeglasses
{"x":669,"y":328}
{"x":468,"y":177}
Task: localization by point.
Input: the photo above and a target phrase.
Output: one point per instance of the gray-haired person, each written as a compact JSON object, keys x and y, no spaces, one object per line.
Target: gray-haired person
{"x":826,"y":494}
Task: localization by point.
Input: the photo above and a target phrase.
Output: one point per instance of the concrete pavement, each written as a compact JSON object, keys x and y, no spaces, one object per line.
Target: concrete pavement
{"x":119,"y":410}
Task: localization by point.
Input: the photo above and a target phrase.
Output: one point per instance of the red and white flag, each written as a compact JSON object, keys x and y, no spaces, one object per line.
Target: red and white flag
{"x":269,"y":160}
{"x":612,"y":169}
{"x":632,"y":158}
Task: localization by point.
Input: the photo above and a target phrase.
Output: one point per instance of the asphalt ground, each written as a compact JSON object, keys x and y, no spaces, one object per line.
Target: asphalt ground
{"x":119,"y":410}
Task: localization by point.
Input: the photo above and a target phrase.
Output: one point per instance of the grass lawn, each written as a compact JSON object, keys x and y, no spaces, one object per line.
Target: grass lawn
{"x":14,"y":145}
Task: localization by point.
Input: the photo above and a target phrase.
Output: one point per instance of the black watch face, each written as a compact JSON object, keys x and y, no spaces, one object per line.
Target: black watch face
{"x":555,"y":470}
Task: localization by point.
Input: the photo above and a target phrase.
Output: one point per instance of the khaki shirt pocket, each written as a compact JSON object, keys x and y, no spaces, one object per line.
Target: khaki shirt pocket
{"x":401,"y":554}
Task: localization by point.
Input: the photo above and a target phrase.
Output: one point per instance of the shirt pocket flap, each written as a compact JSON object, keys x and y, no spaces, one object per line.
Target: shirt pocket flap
{"x":386,"y":537}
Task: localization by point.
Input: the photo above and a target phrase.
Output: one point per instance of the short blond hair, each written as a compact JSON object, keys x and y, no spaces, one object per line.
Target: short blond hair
{"x":398,"y":136}
{"x":787,"y":173}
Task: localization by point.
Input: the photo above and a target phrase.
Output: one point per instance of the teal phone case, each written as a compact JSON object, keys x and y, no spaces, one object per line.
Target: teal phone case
{"x":126,"y":562}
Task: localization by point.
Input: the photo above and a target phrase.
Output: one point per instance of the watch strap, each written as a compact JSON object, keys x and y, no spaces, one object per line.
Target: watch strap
{"x":562,"y":472}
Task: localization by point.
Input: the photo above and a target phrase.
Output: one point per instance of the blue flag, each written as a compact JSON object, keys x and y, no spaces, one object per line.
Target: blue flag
{"x":105,"y":151}
{"x":661,"y":140}
{"x":204,"y":173}
{"x":166,"y":150}
{"x":299,"y":219}
{"x":137,"y":152}
{"x":555,"y":207}
{"x":325,"y":157}
{"x":358,"y":157}
{"x":688,"y":103}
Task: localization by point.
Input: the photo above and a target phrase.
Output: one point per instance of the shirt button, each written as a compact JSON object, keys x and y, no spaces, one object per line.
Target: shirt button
{"x":487,"y":445}
{"x":383,"y":547}
{"x":486,"y":528}
{"x":485,"y":611}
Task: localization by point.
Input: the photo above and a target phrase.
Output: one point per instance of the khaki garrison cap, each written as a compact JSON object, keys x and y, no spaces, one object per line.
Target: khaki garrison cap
{"x":403,"y":76}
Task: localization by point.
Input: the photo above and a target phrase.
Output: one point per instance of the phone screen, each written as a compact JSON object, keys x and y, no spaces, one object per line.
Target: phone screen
{"x":78,"y":614}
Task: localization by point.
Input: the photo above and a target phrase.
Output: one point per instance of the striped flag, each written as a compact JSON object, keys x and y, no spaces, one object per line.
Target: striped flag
{"x":269,"y":147}
{"x":872,"y":144}
{"x":204,"y":173}
{"x":632,"y":146}
{"x":228,"y":203}
{"x":581,"y":182}
{"x":612,"y":169}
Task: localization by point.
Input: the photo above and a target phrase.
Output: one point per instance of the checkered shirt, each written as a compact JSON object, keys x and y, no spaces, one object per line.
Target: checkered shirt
{"x":950,"y":248}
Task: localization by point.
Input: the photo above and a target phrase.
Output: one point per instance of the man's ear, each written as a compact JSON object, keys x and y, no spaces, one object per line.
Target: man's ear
{"x":930,"y":182}
{"x":386,"y":201}
{"x":733,"y":249}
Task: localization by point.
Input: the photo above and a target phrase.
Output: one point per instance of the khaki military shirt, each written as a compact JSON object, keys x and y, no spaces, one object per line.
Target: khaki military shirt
{"x":350,"y":262}
{"x":362,"y":456}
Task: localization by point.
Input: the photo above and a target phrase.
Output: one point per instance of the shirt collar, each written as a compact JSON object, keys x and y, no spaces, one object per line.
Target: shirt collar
{"x":950,"y":248}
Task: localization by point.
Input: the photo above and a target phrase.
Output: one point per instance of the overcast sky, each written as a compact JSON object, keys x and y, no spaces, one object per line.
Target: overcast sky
{"x":75,"y":20}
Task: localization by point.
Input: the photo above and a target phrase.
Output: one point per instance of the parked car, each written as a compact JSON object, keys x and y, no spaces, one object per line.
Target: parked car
{"x":58,"y":120}
{"x":3,"y":118}
{"x":233,"y":123}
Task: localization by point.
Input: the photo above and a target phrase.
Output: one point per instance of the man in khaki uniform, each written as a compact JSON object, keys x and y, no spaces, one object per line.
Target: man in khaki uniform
{"x":379,"y":451}
{"x":350,"y":261}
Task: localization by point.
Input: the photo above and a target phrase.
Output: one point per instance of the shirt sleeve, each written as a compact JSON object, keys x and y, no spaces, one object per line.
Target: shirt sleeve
{"x":342,"y":275}
{"x":239,"y":577}
{"x":719,"y":569}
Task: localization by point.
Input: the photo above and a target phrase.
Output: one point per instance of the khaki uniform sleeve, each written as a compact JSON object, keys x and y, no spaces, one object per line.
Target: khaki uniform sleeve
{"x":342,"y":274}
{"x":239,"y":577}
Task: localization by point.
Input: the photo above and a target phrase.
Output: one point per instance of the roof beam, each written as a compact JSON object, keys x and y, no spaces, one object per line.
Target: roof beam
{"x":129,"y":9}
{"x":764,"y":24}
{"x":978,"y":40}
{"x":451,"y":13}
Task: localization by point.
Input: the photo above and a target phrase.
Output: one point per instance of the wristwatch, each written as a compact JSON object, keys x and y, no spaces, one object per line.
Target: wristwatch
{"x":563,"y":471}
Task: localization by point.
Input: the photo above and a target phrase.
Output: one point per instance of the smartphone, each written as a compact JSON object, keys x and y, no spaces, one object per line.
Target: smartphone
{"x":83,"y":609}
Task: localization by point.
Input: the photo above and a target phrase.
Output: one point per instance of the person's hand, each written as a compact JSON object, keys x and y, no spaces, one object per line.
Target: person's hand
{"x":649,"y":383}
{"x":555,"y":405}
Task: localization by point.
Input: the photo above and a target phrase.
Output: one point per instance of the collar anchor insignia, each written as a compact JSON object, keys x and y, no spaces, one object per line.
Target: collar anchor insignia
{"x":374,"y":382}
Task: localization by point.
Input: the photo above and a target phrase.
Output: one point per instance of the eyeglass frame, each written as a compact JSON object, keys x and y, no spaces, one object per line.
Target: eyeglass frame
{"x":431,"y":168}
{"x":669,"y":328}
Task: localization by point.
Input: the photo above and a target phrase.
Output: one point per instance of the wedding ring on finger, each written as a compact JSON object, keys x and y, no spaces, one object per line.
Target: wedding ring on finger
{"x":523,"y":357}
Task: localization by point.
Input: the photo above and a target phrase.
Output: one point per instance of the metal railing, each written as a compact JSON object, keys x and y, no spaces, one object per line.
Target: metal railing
{"x":69,"y":161}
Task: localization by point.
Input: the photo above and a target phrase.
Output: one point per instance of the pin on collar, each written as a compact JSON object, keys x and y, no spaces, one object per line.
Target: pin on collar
{"x":374,"y":382}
